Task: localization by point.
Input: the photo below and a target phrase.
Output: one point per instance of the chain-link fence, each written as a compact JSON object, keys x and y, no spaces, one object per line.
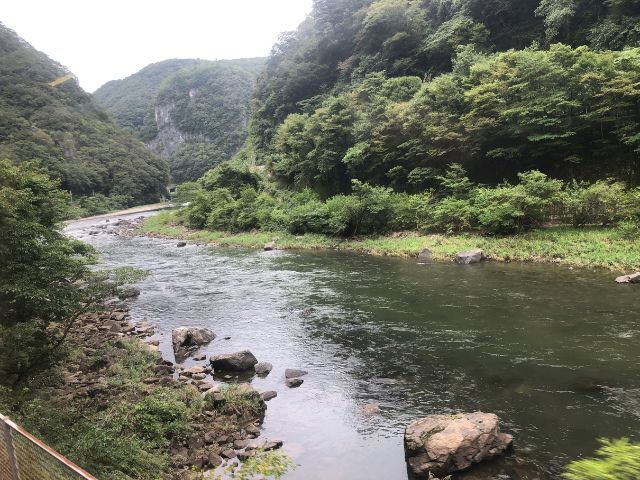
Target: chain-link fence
{"x":24,"y":457}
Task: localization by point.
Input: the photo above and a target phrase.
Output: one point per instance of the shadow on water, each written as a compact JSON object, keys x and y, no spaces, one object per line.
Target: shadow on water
{"x":552,"y":351}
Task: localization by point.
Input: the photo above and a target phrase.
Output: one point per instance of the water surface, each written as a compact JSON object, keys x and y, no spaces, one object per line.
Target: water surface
{"x":553,"y":351}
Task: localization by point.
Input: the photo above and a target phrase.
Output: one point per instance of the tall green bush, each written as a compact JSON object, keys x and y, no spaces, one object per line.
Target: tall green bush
{"x":614,"y":460}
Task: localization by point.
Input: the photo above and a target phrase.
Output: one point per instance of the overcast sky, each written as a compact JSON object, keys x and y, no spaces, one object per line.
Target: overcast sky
{"x":102,"y":41}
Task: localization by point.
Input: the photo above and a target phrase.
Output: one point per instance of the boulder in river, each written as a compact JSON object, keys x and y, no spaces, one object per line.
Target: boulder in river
{"x":425,"y":255}
{"x":181,"y":244}
{"x":294,"y":382}
{"x":444,"y":444}
{"x":268,"y":395}
{"x":234,"y":362}
{"x":469,"y":257}
{"x":188,"y":339}
{"x":631,"y":278}
{"x":294,"y":373}
{"x":269,"y":246}
{"x":128,"y":292}
{"x":263,"y":368}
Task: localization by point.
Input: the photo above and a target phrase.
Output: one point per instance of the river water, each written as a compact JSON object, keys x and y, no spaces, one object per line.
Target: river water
{"x":553,"y":351}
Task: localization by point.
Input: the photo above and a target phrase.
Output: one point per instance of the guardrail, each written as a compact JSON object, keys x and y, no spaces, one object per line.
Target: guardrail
{"x":24,"y":457}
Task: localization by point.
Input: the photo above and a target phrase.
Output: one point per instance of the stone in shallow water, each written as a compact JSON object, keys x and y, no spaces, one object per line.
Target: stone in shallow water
{"x":263,"y":368}
{"x":294,"y":373}
{"x":631,"y":278}
{"x":186,"y":340}
{"x":266,"y":396}
{"x":444,"y":444}
{"x":470,"y":256}
{"x":294,"y":382}
{"x":234,"y":362}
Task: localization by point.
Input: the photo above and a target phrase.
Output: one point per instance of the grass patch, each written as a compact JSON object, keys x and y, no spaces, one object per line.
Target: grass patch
{"x":125,"y":429}
{"x":234,"y":399}
{"x":584,"y":247}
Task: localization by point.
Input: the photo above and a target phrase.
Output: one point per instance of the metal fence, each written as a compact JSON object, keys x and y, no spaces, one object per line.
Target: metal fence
{"x":24,"y":457}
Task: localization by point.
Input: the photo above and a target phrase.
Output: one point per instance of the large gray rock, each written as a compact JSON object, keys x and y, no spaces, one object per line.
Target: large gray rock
{"x":631,"y":278}
{"x":234,"y":362}
{"x":269,"y":246}
{"x":188,"y":339}
{"x":444,"y":444}
{"x":470,"y":256}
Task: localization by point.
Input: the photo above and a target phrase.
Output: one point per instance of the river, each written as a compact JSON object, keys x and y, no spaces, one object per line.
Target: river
{"x":553,"y":351}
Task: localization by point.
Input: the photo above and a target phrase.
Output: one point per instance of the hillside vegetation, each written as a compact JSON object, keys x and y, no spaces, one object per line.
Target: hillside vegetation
{"x":192,"y":112}
{"x":483,"y":118}
{"x":61,"y":128}
{"x":391,"y":92}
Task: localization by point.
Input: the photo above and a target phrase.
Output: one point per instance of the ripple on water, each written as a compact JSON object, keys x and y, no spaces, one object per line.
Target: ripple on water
{"x":553,"y":352}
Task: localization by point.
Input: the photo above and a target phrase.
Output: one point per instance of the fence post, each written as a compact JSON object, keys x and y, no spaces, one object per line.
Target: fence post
{"x":6,"y":431}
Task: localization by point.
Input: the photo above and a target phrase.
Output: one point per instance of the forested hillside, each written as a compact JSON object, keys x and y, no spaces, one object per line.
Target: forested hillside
{"x":61,"y":127}
{"x":392,"y":91}
{"x":192,"y":112}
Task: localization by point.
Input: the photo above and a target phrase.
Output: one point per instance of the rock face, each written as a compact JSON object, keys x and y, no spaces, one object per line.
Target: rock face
{"x":444,"y":444}
{"x":631,"y":278}
{"x":188,"y":339}
{"x":234,"y":362}
{"x":470,"y":256}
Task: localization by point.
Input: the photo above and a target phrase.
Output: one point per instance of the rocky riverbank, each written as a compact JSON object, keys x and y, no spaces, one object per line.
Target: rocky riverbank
{"x":563,"y":246}
{"x":224,"y":419}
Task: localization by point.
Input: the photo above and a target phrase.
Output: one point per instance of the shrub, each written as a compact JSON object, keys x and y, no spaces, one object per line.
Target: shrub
{"x":263,"y":464}
{"x":411,"y":212}
{"x":516,"y":208}
{"x":602,"y":203}
{"x":310,"y":217}
{"x":234,"y":399}
{"x":98,"y":203}
{"x":161,"y":416}
{"x":615,"y":459}
{"x":629,"y":229}
{"x":230,"y":176}
{"x":452,"y":215}
{"x":186,"y":192}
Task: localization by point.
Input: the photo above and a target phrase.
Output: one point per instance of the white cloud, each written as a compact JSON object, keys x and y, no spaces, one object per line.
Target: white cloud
{"x":102,"y":41}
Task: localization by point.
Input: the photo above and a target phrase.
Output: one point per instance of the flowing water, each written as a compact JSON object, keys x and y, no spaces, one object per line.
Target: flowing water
{"x":553,"y":351}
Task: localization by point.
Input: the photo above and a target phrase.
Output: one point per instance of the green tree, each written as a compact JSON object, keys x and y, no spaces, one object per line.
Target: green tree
{"x":41,"y":271}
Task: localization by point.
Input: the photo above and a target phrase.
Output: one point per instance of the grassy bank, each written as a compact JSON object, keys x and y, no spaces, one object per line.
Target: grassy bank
{"x":584,"y":247}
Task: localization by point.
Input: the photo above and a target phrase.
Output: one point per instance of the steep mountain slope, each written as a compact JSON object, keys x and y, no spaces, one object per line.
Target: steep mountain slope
{"x":192,"y":112}
{"x":390,"y":92}
{"x":344,"y":40}
{"x":61,"y":127}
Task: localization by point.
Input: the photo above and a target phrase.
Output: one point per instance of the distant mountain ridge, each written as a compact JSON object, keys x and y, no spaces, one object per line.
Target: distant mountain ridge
{"x":194,"y":113}
{"x":60,"y":126}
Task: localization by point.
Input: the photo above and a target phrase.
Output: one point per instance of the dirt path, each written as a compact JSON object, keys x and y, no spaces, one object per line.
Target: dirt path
{"x":141,"y":209}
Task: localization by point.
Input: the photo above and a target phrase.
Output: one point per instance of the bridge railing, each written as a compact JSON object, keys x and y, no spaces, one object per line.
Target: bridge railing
{"x":24,"y":457}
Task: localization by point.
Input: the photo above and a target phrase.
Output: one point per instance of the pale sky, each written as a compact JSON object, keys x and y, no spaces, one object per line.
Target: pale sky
{"x":102,"y":41}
